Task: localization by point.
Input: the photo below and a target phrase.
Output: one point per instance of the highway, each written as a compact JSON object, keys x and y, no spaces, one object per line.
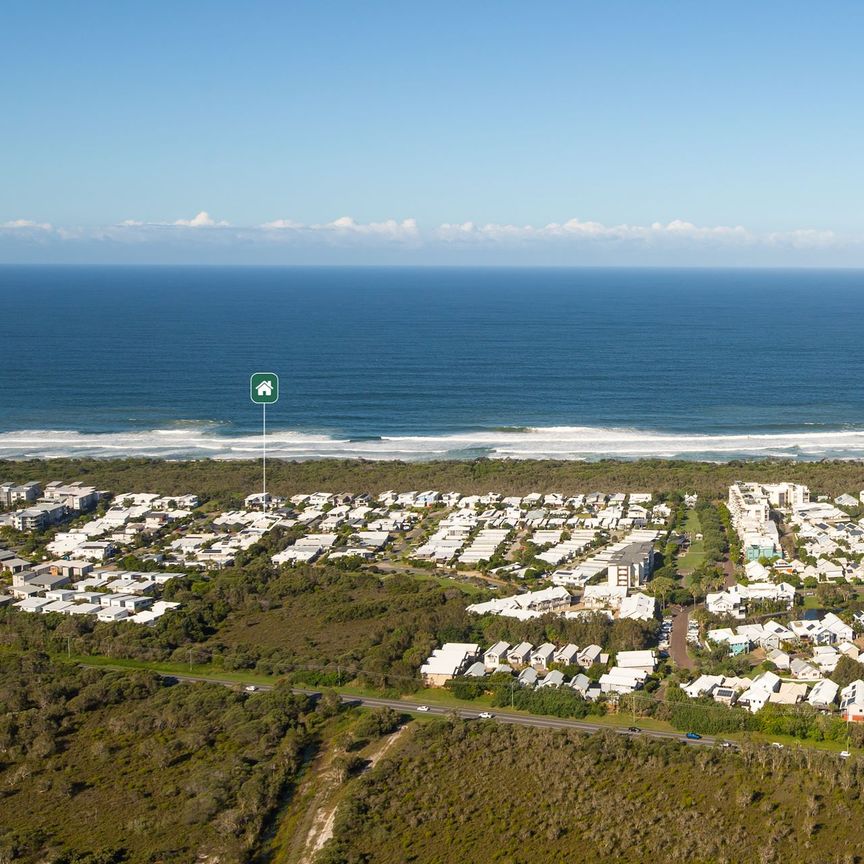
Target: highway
{"x":499,"y":715}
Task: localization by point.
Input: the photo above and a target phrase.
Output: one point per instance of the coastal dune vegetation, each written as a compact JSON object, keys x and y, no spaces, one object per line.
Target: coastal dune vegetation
{"x":460,"y":791}
{"x":230,"y":481}
{"x":100,"y":767}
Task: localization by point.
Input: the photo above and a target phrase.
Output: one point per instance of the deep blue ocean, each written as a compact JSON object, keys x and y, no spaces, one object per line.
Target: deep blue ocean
{"x":419,"y":363}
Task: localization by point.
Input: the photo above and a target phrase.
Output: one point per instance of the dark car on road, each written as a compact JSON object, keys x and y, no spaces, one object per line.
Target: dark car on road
{"x":693,"y":736}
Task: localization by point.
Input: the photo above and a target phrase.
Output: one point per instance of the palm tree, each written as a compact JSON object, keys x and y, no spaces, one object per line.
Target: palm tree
{"x":661,"y":587}
{"x":713,"y":580}
{"x":696,"y":585}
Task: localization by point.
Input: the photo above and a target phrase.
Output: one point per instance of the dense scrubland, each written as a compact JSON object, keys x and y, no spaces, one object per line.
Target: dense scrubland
{"x":315,"y":625}
{"x":459,"y":791}
{"x":98,"y":767}
{"x":230,"y":481}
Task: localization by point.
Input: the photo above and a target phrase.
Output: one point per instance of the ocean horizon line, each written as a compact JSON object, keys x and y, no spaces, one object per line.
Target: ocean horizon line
{"x":430,"y":265}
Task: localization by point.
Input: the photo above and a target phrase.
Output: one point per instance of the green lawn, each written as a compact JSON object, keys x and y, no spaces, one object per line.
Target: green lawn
{"x":811,"y":601}
{"x":463,"y":585}
{"x":695,"y":555}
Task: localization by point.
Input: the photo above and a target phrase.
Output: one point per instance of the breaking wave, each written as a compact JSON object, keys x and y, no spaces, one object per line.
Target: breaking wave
{"x":206,"y":441}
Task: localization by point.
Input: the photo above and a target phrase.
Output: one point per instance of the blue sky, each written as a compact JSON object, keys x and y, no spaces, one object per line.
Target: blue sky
{"x":734,"y":129}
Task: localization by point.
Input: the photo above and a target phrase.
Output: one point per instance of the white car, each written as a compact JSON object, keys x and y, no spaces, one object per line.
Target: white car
{"x":845,"y":754}
{"x":423,"y":708}
{"x":777,"y":744}
{"x":485,"y":715}
{"x":251,"y":688}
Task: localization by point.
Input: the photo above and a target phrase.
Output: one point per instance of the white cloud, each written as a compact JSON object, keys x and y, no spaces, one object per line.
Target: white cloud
{"x":347,"y":226}
{"x":25,"y":225}
{"x":390,"y":229}
{"x":283,"y":225}
{"x":576,"y":229}
{"x":808,"y":238}
{"x":200,"y":220}
{"x":574,"y":240}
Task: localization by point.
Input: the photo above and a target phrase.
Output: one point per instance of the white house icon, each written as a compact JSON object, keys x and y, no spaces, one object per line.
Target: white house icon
{"x":265,"y":388}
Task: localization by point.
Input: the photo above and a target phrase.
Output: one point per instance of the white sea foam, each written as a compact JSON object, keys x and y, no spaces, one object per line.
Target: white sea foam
{"x":553,"y":442}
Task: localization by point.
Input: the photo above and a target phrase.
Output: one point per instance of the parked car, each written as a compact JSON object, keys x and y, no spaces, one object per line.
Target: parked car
{"x":422,"y":707}
{"x":485,"y":715}
{"x":845,"y":754}
{"x":777,"y":745}
{"x":693,"y":736}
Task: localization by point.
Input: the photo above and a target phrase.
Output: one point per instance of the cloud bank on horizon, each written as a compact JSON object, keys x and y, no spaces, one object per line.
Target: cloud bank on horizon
{"x":206,"y":239}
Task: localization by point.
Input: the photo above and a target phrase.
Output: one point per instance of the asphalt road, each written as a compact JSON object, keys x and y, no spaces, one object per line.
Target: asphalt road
{"x":499,"y":715}
{"x":678,"y":640}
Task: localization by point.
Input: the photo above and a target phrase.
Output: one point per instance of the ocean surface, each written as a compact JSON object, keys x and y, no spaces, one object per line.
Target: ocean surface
{"x":413,"y":363}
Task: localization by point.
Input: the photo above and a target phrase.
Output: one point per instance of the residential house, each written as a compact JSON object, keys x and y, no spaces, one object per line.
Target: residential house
{"x":109,"y":614}
{"x":758,"y":694}
{"x":826,"y":658}
{"x":645,"y":660}
{"x":840,"y":630}
{"x":542,"y":656}
{"x":31,"y":604}
{"x":555,"y":679}
{"x":704,"y":685}
{"x":789,"y":693}
{"x":496,"y":655}
{"x":803,"y":670}
{"x":619,"y":680}
{"x":852,"y":702}
{"x":755,"y":571}
{"x":475,"y":670}
{"x":566,"y":656}
{"x":725,"y":603}
{"x":532,"y":604}
{"x":824,"y":694}
{"x":447,"y":662}
{"x":738,"y":644}
{"x":849,"y":649}
{"x":528,"y":677}
{"x":637,"y":606}
{"x":589,"y":655}
{"x":14,"y":565}
{"x":779,"y":658}
{"x":47,"y":580}
{"x":580,"y":683}
{"x":520,"y":654}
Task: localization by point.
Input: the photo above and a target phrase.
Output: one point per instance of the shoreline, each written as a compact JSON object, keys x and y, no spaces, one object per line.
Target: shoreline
{"x":194,"y":440}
